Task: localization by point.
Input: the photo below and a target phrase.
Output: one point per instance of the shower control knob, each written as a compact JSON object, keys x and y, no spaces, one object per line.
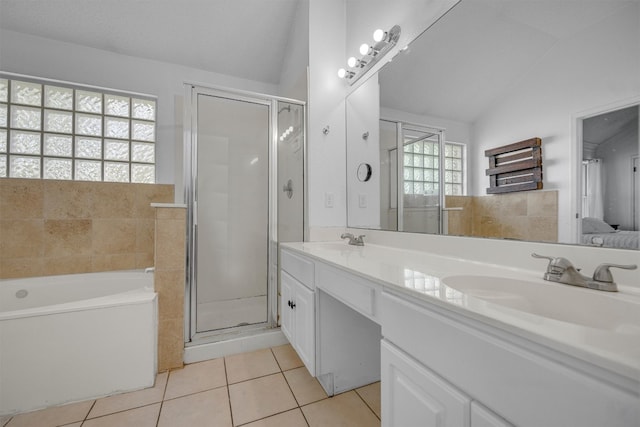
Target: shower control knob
{"x":293,"y":305}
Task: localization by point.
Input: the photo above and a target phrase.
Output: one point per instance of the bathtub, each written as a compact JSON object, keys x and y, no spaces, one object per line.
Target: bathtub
{"x":75,"y":337}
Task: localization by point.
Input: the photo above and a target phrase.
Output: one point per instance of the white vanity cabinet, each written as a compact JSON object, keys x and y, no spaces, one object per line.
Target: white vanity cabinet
{"x":297,"y":306}
{"x":412,"y":395}
{"x":522,"y":382}
{"x":440,"y":362}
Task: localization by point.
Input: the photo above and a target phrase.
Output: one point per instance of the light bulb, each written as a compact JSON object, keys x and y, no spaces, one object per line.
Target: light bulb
{"x":351,"y":62}
{"x":379,"y":35}
{"x":364,"y":49}
{"x":342,"y":73}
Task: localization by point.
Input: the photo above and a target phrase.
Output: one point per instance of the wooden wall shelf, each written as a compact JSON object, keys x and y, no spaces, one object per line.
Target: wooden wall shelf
{"x":515,"y":167}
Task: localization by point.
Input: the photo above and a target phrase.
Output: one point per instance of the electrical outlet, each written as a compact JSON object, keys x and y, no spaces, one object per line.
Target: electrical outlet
{"x":362,"y":200}
{"x":328,"y":200}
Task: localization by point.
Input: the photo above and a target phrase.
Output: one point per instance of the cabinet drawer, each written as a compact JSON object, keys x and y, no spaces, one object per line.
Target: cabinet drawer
{"x":359,"y":294}
{"x":298,"y":267}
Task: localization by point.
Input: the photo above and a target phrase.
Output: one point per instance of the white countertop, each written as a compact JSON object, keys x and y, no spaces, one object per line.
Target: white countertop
{"x":420,"y":276}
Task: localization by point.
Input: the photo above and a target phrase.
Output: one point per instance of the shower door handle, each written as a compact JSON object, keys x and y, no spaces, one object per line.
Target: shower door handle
{"x":288,"y":189}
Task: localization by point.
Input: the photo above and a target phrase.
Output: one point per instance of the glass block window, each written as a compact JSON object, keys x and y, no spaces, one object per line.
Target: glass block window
{"x":58,"y":130}
{"x":422,"y":168}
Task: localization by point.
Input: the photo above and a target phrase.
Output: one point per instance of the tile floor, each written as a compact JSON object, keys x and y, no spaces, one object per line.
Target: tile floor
{"x":264,"y":388}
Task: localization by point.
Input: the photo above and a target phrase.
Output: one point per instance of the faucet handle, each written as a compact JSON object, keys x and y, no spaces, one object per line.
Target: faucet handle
{"x":557,"y":265}
{"x":603,"y":274}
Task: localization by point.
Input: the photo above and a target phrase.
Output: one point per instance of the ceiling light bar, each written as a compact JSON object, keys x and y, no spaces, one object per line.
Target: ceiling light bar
{"x":384,"y":41}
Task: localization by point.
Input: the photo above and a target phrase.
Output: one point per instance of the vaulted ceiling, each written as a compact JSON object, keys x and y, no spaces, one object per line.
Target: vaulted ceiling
{"x":243,"y":38}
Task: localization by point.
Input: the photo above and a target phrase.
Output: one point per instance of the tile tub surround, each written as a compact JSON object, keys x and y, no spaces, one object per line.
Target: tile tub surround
{"x":53,"y":227}
{"x":169,"y":282}
{"x":267,"y":387}
{"x":531,"y":215}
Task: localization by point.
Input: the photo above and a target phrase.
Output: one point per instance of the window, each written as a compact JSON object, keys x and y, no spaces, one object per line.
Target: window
{"x":58,"y":130}
{"x":421,"y":168}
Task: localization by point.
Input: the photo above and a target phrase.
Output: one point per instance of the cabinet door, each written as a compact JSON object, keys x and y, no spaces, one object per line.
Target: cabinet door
{"x":412,"y":395}
{"x":304,"y":329}
{"x":483,"y":417}
{"x":287,"y":285}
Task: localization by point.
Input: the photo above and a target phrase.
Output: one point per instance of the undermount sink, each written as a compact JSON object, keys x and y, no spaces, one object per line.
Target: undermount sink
{"x":594,"y":309}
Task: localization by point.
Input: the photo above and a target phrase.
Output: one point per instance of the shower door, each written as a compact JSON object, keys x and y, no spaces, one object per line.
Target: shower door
{"x":412,"y":195}
{"x":244,"y":186}
{"x":230,"y":212}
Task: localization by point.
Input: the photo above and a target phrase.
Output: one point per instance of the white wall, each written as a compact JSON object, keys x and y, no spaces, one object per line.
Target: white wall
{"x":36,"y":56}
{"x":329,"y":36}
{"x":546,"y":106}
{"x":617,"y":159}
{"x":293,"y":79}
{"x":326,"y":153}
{"x":363,"y":116}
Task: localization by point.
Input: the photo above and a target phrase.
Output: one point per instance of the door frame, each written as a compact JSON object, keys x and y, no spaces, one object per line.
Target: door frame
{"x":190,"y":132}
{"x":577,"y":153}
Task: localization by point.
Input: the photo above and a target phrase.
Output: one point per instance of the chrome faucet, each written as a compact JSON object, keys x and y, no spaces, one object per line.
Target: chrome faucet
{"x":562,"y":271}
{"x":356,"y":241}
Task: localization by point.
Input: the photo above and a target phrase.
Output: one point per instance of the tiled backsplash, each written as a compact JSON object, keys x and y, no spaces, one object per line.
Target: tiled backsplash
{"x":61,"y":227}
{"x":531,"y":215}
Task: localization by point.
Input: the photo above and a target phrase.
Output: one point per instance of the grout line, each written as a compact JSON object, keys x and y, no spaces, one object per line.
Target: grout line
{"x":272,"y":415}
{"x":275,"y":357}
{"x":164,"y":393}
{"x":366,"y":403}
{"x":88,"y":412}
{"x":226,"y":380}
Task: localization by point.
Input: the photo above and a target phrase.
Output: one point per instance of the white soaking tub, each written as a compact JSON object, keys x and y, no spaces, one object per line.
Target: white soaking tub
{"x":75,"y":337}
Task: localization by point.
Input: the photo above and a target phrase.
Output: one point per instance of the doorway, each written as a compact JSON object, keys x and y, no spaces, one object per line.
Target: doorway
{"x":241,"y":151}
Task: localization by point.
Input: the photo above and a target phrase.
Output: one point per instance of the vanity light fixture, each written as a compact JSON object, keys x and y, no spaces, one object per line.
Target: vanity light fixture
{"x":384,"y":41}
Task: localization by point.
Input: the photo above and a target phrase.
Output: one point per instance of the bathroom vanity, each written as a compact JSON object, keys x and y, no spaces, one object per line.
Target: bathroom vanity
{"x":460,"y":343}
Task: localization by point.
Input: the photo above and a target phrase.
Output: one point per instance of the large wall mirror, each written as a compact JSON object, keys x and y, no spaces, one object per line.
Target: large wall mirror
{"x":491,"y":73}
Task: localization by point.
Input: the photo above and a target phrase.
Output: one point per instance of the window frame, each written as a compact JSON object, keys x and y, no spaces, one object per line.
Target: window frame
{"x":75,"y":158}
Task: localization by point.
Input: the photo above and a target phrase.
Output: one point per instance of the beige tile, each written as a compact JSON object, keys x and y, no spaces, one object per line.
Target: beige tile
{"x":21,"y":199}
{"x":110,"y":262}
{"x":306,"y":389}
{"x":170,"y":238}
{"x":68,"y":199}
{"x":146,"y":416}
{"x":371,"y":396}
{"x":65,"y":237}
{"x":78,"y":424}
{"x":287,"y":357}
{"x":170,"y":288}
{"x":21,"y":267}
{"x":114,"y":236}
{"x":144,"y":260}
{"x":293,"y":418}
{"x":543,"y":229}
{"x":195,"y":378}
{"x":515,"y":227}
{"x":22,"y":238}
{"x":543,"y":203}
{"x":151,"y":193}
{"x":54,"y":416}
{"x":171,"y":344}
{"x":145,"y":230}
{"x":513,"y":204}
{"x":67,"y":265}
{"x":113,"y":200}
{"x":208,"y":408}
{"x":259,"y":398}
{"x":246,"y":366}
{"x":135,"y":399}
{"x":346,"y":409}
{"x":171,"y":213}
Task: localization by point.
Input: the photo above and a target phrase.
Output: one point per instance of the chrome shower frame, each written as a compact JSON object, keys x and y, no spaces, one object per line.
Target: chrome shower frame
{"x":190,"y":132}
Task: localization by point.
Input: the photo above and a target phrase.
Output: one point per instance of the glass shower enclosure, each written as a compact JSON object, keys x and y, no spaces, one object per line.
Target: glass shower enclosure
{"x":244,"y":189}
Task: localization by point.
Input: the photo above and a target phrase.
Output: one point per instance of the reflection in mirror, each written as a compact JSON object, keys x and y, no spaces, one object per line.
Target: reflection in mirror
{"x":487,"y":74}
